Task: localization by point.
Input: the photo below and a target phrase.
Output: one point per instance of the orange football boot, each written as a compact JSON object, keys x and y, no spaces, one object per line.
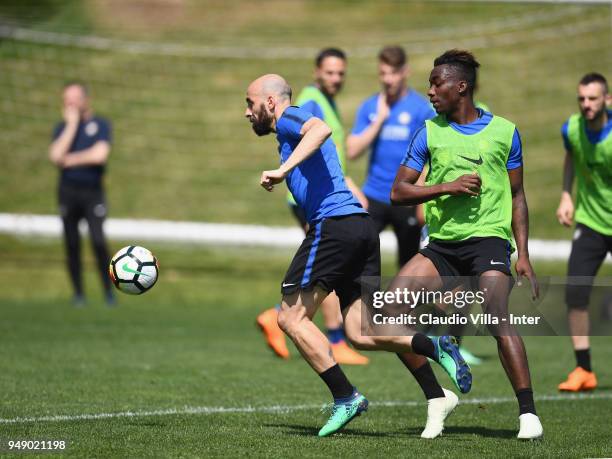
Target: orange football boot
{"x":275,"y":337}
{"x":579,"y":380}
{"x":346,"y":355}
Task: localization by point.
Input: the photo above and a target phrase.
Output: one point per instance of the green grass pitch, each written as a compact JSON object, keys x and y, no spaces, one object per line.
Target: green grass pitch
{"x":190,"y":345}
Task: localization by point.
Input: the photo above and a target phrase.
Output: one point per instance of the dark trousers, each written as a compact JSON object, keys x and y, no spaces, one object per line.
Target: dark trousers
{"x":76,"y":203}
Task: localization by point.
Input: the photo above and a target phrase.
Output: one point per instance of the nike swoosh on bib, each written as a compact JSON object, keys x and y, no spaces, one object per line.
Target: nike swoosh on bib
{"x":478,"y":161}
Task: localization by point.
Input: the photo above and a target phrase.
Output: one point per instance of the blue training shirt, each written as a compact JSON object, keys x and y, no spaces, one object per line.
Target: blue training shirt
{"x":594,"y":136}
{"x":317,"y":184}
{"x":418,"y":153}
{"x":390,"y":146}
{"x":88,"y":134}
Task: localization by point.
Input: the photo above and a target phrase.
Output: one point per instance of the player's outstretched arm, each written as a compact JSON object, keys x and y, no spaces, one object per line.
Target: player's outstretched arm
{"x":520,"y":228}
{"x":407,"y":192}
{"x":314,"y":133}
{"x":565,"y":211}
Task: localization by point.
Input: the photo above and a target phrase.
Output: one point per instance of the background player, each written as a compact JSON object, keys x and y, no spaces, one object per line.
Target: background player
{"x":341,"y":247}
{"x":319,"y":99}
{"x":471,"y":216}
{"x":588,"y":156}
{"x":80,"y":149}
{"x":385,"y":124}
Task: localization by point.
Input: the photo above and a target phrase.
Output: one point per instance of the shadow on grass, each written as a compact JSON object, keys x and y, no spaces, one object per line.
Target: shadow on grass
{"x":308,"y":431}
{"x":414,"y":432}
{"x":470,"y":430}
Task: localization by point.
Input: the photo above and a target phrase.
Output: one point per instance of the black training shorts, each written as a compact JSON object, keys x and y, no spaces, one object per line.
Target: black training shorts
{"x":471,"y":257}
{"x":335,"y":254}
{"x":589,"y":250}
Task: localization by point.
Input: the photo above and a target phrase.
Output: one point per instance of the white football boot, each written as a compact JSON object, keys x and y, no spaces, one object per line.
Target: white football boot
{"x":530,"y":427}
{"x":438,"y":409}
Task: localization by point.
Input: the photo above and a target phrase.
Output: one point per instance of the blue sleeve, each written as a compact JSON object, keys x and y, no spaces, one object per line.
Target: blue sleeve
{"x":418,"y":153}
{"x":515,"y":158}
{"x":565,"y":136}
{"x":105,"y":132}
{"x":291,"y":122}
{"x":362,"y":120}
{"x":314,"y":108}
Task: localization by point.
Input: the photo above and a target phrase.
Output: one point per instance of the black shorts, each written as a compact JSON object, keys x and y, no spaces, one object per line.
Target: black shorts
{"x":471,"y":257}
{"x":404,"y":223}
{"x":335,"y":254}
{"x":589,"y":250}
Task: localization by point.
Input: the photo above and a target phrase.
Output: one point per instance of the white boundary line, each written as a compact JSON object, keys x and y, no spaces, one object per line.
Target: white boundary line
{"x":208,"y":410}
{"x":197,"y":233}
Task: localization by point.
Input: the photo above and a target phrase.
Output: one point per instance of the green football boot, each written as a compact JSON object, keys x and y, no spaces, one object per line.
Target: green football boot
{"x":342,"y":412}
{"x":449,"y":358}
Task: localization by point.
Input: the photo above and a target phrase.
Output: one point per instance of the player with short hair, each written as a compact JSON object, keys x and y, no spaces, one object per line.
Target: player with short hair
{"x":385,"y":123}
{"x":319,"y":99}
{"x":588,"y":157}
{"x":80,"y":149}
{"x":340,"y":248}
{"x":474,"y":201}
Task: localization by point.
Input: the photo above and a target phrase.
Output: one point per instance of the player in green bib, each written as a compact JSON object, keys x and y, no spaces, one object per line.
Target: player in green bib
{"x":318,"y":99}
{"x":474,"y":202}
{"x":587,"y":137}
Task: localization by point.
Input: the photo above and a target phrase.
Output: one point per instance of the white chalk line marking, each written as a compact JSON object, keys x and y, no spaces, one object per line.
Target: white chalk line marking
{"x":207,"y":410}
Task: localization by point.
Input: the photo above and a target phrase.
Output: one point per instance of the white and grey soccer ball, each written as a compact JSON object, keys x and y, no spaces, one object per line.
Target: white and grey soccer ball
{"x":134,"y":270}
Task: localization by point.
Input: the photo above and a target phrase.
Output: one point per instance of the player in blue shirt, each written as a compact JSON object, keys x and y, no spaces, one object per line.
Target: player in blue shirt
{"x":385,"y":124}
{"x":340,"y":248}
{"x":319,"y":99}
{"x":80,"y":149}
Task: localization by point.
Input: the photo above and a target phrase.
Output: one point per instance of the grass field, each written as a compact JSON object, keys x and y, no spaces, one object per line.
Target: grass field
{"x":188,"y":358}
{"x":182,"y":371}
{"x":180,"y":137}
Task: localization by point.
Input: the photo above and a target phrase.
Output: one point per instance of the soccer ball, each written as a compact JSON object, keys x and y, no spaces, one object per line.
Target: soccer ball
{"x":133,"y":270}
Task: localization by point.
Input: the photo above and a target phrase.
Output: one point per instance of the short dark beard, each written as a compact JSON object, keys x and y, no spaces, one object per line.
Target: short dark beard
{"x":262,"y":122}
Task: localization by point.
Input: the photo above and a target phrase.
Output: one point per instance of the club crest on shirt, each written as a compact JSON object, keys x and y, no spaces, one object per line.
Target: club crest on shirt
{"x":404,"y":118}
{"x":91,"y":128}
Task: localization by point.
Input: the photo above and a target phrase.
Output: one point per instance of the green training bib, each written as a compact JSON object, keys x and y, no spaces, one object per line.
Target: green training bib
{"x":457,"y":218}
{"x":593,"y":169}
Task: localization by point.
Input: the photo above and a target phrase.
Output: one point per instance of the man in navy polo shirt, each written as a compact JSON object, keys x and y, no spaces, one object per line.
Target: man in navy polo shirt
{"x":80,"y":149}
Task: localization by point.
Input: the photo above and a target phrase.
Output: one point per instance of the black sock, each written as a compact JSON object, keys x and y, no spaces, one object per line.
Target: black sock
{"x":421,"y":344}
{"x":430,"y":386}
{"x":583,"y":358}
{"x":337,"y":382}
{"x":525,"y":401}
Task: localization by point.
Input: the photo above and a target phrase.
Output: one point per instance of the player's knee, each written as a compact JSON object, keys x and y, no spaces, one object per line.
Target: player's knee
{"x":352,"y":336}
{"x":358,"y":340}
{"x":289,"y":320}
